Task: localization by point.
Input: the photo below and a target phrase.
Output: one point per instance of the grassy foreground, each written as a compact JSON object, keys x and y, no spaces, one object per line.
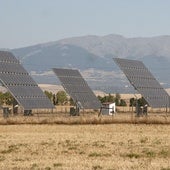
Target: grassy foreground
{"x":90,"y":147}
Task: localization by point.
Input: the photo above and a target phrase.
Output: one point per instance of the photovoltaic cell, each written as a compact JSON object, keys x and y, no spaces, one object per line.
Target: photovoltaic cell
{"x":20,"y":84}
{"x":144,"y":82}
{"x":77,"y":88}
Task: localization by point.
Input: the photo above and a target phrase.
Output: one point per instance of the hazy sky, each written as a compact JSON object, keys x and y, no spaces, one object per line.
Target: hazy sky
{"x":28,"y":22}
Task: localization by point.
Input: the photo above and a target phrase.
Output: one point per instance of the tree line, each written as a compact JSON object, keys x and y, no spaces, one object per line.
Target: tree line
{"x":61,"y":98}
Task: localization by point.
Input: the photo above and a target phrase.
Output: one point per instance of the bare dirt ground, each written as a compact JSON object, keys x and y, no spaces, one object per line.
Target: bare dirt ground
{"x":84,"y":146}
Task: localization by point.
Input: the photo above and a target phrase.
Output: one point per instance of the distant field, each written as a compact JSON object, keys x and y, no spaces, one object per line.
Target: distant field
{"x":79,"y":147}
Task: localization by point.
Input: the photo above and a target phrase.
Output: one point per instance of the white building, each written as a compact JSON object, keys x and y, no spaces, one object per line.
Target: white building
{"x":109,"y":108}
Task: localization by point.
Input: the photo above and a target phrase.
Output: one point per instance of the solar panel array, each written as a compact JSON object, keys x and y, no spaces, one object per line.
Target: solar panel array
{"x":77,"y":88}
{"x":144,"y":82}
{"x":20,"y":84}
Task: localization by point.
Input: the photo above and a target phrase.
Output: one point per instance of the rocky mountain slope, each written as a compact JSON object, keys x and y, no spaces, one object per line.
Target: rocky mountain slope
{"x":92,"y":55}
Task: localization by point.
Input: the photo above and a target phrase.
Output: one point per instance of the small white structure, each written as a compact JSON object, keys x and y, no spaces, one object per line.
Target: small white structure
{"x":109,"y":108}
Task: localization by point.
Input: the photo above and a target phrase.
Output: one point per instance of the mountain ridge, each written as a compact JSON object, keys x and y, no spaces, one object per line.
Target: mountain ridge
{"x":89,"y":41}
{"x":92,"y":56}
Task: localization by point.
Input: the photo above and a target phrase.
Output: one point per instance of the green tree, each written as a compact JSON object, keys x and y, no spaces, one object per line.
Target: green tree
{"x":1,"y":98}
{"x":142,"y":101}
{"x":49,"y":94}
{"x":108,"y":98}
{"x":8,"y":98}
{"x":71,"y":101}
{"x":117,"y":99}
{"x":122,"y":102}
{"x":61,"y":97}
{"x":132,"y":101}
{"x":100,"y":98}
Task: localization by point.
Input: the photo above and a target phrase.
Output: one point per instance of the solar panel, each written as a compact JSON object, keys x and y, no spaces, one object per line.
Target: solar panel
{"x":144,"y":82}
{"x":20,"y":84}
{"x":77,"y":88}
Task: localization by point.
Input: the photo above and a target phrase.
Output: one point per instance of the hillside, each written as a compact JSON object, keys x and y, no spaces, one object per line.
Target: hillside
{"x":92,"y":55}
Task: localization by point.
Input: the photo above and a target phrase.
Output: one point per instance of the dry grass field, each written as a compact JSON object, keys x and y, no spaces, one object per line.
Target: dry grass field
{"x":48,"y":144}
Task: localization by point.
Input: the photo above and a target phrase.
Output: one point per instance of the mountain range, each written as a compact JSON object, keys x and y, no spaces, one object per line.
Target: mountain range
{"x":93,"y":57}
